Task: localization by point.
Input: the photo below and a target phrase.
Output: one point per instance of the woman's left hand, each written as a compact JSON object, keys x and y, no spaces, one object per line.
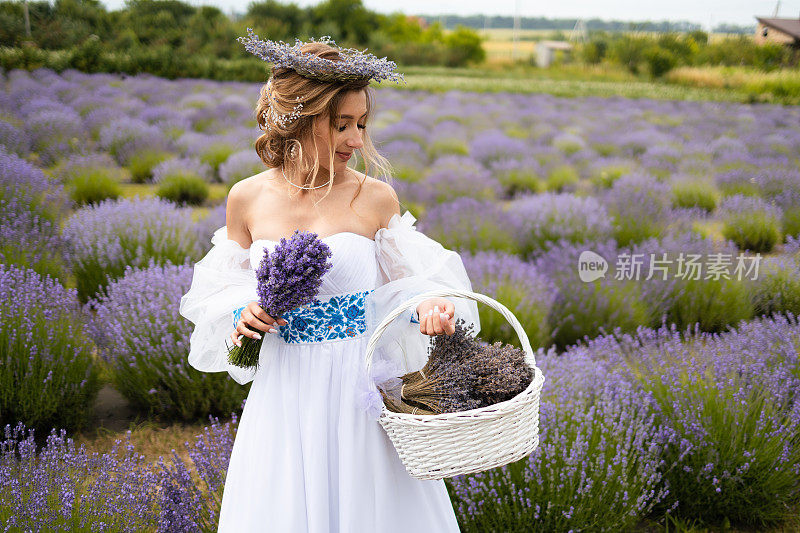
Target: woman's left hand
{"x":437,"y":316}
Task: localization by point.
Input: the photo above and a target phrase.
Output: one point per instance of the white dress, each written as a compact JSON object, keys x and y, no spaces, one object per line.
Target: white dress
{"x":308,"y":455}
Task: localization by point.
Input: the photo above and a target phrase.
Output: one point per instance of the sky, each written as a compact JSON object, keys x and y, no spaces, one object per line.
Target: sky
{"x":705,"y":12}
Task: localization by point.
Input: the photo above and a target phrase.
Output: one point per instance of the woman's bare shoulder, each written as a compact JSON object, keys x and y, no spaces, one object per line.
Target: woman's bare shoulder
{"x":384,"y":200}
{"x":240,"y":198}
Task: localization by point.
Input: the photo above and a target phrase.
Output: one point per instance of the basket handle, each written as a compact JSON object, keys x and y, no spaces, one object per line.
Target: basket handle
{"x":412,"y":303}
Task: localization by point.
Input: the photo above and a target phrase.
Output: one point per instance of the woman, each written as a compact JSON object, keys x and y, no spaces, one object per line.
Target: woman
{"x":309,"y":454}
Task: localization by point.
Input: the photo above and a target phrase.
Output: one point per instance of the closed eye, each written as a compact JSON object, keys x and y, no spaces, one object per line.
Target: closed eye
{"x":345,"y":127}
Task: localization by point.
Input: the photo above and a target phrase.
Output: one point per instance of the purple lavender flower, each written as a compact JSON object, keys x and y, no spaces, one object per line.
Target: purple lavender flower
{"x":240,"y":165}
{"x":182,"y":166}
{"x":289,"y":277}
{"x":468,"y":224}
{"x":46,"y":359}
{"x":145,"y":341}
{"x":354,"y":64}
{"x":104,"y":239}
{"x":544,"y":219}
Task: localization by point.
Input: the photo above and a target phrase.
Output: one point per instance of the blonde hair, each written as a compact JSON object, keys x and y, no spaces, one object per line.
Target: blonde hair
{"x":275,"y":146}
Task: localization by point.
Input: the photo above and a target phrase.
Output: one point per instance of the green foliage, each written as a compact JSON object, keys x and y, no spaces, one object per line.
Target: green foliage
{"x":464,"y":47}
{"x":594,"y":51}
{"x":742,"y":50}
{"x":629,"y":51}
{"x":633,"y":229}
{"x":791,"y":222}
{"x":699,"y":36}
{"x":183,"y":189}
{"x":605,"y":176}
{"x":142,"y":163}
{"x":600,"y":304}
{"x":659,"y":61}
{"x":45,"y":355}
{"x":174,"y":38}
{"x":714,"y":304}
{"x":682,"y":47}
{"x":276,"y":20}
{"x":730,"y":475}
{"x":404,"y":40}
{"x":86,"y":57}
{"x":562,"y":178}
{"x":777,"y":288}
{"x":447,"y":145}
{"x":216,"y":154}
{"x":350,"y":19}
{"x":531,"y":314}
{"x":569,"y":147}
{"x":756,"y":231}
{"x":606,"y":149}
{"x":520,"y":180}
{"x":695,"y":194}
{"x":94,"y":185}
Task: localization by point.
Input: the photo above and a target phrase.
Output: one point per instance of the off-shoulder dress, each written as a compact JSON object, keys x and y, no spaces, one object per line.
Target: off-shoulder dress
{"x":308,"y":456}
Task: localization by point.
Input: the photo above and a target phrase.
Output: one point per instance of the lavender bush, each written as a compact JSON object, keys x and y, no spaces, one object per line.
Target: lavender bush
{"x":142,"y":163}
{"x":55,"y":133}
{"x":544,"y":219}
{"x":31,"y":206}
{"x":692,"y":296}
{"x":47,"y":375}
{"x":593,"y":471}
{"x":91,"y":178}
{"x":751,"y":223}
{"x":182,"y":166}
{"x":240,"y":165}
{"x":562,"y":178}
{"x":640,"y":206}
{"x":582,"y":309}
{"x":183,"y":189}
{"x":63,"y":487}
{"x":731,"y":403}
{"x":694,"y":194}
{"x":124,"y":140}
{"x":106,"y":238}
{"x":145,"y":342}
{"x":777,"y":289}
{"x":14,"y":137}
{"x":467,"y":224}
{"x":518,"y":286}
{"x":518,"y":176}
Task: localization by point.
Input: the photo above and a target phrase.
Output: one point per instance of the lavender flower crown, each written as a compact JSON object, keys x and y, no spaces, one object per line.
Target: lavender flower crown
{"x":355,"y":65}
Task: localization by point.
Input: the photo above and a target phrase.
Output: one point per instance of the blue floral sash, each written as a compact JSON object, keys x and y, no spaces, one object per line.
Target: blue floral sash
{"x":340,"y":317}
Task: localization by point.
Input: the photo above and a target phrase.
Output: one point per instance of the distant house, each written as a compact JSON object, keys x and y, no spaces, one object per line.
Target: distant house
{"x":546,"y":51}
{"x":782,"y":31}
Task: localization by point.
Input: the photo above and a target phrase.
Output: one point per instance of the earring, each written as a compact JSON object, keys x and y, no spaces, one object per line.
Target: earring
{"x":293,"y":151}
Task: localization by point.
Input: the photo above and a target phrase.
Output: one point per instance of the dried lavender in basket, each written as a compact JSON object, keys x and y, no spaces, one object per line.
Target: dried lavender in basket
{"x":289,"y":277}
{"x":461,"y":374}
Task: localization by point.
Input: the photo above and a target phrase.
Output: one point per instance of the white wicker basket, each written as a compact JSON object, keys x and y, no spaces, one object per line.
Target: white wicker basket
{"x":449,"y":444}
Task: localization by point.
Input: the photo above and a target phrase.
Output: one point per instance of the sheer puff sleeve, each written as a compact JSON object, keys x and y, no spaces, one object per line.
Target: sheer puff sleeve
{"x":409,"y":264}
{"x":222,"y":282}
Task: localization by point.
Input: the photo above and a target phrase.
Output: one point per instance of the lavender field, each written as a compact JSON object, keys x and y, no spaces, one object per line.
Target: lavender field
{"x":651,"y":250}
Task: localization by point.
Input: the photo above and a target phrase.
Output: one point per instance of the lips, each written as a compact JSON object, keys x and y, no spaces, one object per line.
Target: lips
{"x":344,"y":156}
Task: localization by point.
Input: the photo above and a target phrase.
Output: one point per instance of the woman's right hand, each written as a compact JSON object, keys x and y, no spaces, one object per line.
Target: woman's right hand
{"x":254,"y":317}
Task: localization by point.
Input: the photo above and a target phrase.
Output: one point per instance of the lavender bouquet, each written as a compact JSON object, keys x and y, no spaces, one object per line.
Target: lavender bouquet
{"x":287,"y":278}
{"x":462,"y":373}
